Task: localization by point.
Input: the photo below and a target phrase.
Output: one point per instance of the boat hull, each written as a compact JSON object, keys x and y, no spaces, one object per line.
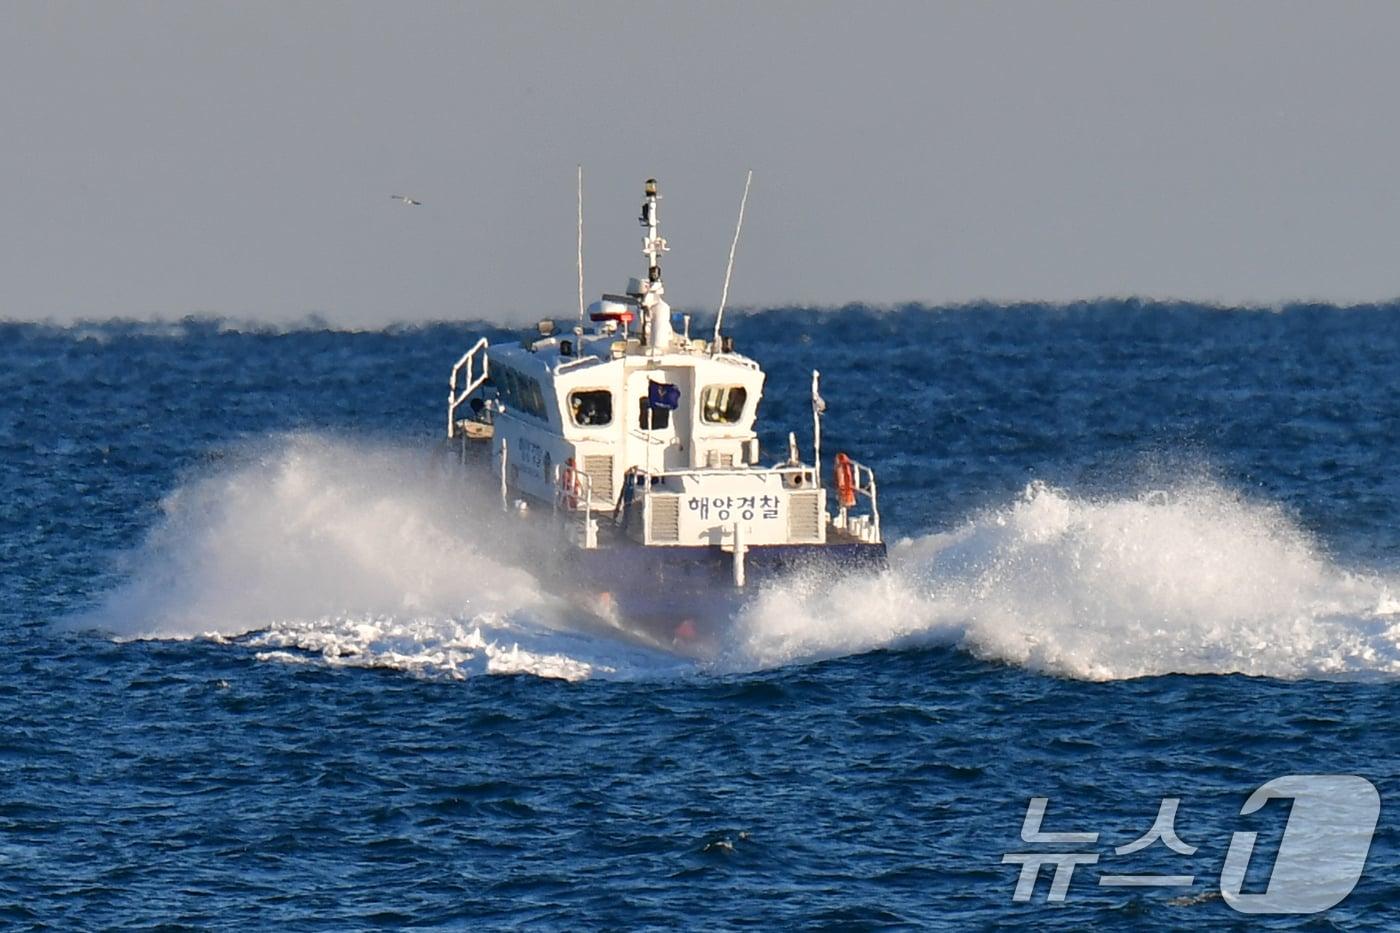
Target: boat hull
{"x":684,"y":599}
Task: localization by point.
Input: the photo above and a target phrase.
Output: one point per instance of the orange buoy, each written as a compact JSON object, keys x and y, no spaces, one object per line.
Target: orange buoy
{"x":845,"y":481}
{"x":569,"y":483}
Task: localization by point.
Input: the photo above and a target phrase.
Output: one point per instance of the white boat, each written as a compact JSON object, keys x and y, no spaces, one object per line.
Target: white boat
{"x":637,"y":441}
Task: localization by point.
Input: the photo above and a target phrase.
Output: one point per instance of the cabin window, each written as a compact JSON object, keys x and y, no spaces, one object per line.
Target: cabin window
{"x":722,"y":404}
{"x":653,"y":418}
{"x":515,"y":391}
{"x":505,"y":385}
{"x":591,"y":407}
{"x":521,"y":394}
{"x":534,"y":398}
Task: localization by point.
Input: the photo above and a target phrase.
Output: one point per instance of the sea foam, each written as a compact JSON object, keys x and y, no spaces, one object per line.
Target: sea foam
{"x":356,"y":554}
{"x":1192,"y":580}
{"x":351,"y":553}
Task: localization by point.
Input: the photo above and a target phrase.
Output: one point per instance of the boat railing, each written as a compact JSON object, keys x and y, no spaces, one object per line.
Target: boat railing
{"x":573,"y":494}
{"x":653,"y":438}
{"x":866,"y":526}
{"x":736,"y":360}
{"x":577,"y":361}
{"x":472,"y":381}
{"x":806,"y":472}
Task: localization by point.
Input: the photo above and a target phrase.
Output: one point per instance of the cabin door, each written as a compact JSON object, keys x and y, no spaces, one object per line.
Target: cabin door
{"x":659,"y":436}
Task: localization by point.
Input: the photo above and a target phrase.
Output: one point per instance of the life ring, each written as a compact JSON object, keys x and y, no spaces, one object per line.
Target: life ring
{"x":845,"y":481}
{"x":569,"y":484}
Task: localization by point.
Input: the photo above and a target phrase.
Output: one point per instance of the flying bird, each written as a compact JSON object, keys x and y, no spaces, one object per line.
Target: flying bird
{"x":406,"y":200}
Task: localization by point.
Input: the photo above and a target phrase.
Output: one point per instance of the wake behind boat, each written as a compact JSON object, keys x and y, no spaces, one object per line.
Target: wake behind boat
{"x":639,"y":449}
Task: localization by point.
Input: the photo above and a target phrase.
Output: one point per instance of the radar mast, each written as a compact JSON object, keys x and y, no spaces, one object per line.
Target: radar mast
{"x":656,"y":313}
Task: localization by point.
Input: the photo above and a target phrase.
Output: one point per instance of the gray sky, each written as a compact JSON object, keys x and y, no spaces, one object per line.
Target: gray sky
{"x":166,"y":159}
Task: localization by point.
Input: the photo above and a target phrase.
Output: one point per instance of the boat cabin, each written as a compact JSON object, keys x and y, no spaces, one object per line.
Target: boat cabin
{"x":645,"y":429}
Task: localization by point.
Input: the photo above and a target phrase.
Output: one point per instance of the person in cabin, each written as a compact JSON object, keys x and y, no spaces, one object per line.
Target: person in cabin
{"x":589,"y":408}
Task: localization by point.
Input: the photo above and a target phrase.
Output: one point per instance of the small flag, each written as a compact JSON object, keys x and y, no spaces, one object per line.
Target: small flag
{"x":818,"y":403}
{"x":663,"y":395}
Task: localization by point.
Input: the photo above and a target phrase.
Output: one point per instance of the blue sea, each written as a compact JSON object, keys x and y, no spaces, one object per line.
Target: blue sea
{"x":264,"y":664}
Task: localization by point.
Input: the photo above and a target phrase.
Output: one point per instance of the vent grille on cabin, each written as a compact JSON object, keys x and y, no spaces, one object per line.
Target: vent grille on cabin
{"x":805,"y":516}
{"x":718,"y":461}
{"x":600,"y":475}
{"x":665,"y":517}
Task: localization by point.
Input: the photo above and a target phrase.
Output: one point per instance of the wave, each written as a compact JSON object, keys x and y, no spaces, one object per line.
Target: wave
{"x":1195,"y":580}
{"x":352,"y":554}
{"x":310,"y":548}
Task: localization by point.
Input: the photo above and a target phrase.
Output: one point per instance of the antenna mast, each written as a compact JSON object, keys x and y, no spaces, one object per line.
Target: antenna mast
{"x":729,"y":269}
{"x":656,"y":313}
{"x":654,"y":244}
{"x":580,"y":245}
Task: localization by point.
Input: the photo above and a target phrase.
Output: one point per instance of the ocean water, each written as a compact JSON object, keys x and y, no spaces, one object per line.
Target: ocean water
{"x":264,"y":664}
